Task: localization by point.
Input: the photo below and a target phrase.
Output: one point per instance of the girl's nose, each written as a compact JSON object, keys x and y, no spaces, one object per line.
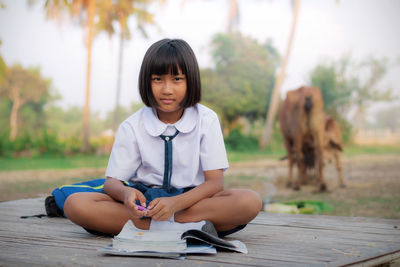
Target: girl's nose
{"x":167,"y":88}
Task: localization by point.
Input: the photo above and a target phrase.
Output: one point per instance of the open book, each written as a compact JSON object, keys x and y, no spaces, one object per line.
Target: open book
{"x":170,"y":244}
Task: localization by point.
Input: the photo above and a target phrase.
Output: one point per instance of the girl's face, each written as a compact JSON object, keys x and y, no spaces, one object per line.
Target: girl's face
{"x":169,"y":91}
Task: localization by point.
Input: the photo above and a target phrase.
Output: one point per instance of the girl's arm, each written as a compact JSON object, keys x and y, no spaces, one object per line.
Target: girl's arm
{"x":163,"y":208}
{"x":125,"y":194}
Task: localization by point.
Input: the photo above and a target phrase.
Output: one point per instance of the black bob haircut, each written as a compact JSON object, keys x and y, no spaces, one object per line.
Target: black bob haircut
{"x":167,"y":56}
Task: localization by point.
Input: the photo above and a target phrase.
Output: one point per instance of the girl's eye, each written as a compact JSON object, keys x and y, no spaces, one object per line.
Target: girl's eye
{"x":156,"y":79}
{"x":177,"y":79}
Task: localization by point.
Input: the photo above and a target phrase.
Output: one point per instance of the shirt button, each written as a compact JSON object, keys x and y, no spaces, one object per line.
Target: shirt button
{"x":167,"y":138}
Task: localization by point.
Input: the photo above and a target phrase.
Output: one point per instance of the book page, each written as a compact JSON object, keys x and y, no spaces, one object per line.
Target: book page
{"x":130,"y":232}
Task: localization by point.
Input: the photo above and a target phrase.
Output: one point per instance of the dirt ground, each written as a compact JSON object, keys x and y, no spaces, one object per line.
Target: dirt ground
{"x":372,"y":184}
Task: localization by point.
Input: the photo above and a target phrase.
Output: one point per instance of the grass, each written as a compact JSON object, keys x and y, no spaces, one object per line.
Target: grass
{"x":376,"y":197}
{"x":48,"y":162}
{"x":279,"y":151}
{"x":373,"y":198}
{"x":236,"y":156}
{"x":94,"y":161}
{"x":352,"y":150}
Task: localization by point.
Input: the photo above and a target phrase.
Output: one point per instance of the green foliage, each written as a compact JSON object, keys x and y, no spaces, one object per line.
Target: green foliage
{"x":48,"y":143}
{"x":55,"y":131}
{"x":3,"y":69}
{"x":28,"y":85}
{"x":335,"y":91}
{"x":242,"y":79}
{"x":311,"y":206}
{"x":66,"y":122}
{"x":72,"y":145}
{"x":24,"y":94}
{"x":124,"y":113}
{"x":237,"y":141}
{"x":5,"y":110}
{"x":276,"y":143}
{"x":15,"y":147}
{"x":346,"y":84}
{"x":21,"y":143}
{"x":29,"y":145}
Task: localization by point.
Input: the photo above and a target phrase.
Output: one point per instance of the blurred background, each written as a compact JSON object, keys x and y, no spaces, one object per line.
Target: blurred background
{"x":69,"y":69}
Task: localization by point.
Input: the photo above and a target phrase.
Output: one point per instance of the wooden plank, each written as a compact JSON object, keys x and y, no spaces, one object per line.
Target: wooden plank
{"x":330,"y":243}
{"x":272,"y":240}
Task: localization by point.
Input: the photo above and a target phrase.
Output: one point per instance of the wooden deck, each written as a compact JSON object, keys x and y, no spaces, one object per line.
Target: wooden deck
{"x":272,"y":240}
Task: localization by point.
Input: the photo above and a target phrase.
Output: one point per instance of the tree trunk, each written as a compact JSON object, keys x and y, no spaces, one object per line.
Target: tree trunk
{"x":14,"y":118}
{"x":86,"y":109}
{"x":273,"y":106}
{"x":119,"y":74}
{"x":233,"y":15}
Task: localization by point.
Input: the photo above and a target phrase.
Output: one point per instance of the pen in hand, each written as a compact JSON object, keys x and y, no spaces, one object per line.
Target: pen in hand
{"x":141,"y":208}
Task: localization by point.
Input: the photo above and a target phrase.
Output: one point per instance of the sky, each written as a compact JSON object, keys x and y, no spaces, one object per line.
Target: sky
{"x":327,"y":29}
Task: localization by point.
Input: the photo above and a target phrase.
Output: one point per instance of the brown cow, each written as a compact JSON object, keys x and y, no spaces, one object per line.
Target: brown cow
{"x":302,"y":118}
{"x":332,"y":150}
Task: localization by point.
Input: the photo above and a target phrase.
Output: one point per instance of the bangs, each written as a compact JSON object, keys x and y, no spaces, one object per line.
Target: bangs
{"x":168,"y":61}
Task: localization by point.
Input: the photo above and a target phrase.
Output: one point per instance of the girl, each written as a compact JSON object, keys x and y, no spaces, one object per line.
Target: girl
{"x":172,"y":152}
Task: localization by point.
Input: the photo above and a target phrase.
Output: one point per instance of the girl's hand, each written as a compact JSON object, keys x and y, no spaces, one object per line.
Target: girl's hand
{"x":130,"y":197}
{"x":162,"y":209}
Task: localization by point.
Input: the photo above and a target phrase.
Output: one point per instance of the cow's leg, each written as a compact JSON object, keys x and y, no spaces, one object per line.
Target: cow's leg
{"x":300,"y":172}
{"x":290,"y":158}
{"x":290,"y":179}
{"x":339,"y":169}
{"x":300,"y":164}
{"x":320,"y":163}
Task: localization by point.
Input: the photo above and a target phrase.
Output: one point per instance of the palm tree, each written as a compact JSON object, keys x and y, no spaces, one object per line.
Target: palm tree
{"x":273,"y":106}
{"x":120,"y":11}
{"x":233,"y":16}
{"x":86,"y":11}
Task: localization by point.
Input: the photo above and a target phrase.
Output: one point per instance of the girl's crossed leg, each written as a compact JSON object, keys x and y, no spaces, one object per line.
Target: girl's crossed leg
{"x":226,"y":210}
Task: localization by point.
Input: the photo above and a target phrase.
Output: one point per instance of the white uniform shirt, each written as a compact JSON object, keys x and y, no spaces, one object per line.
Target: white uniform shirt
{"x":138,"y":151}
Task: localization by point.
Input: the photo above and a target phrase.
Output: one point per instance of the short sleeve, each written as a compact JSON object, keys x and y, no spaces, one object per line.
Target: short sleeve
{"x":125,"y":157}
{"x":212,"y":148}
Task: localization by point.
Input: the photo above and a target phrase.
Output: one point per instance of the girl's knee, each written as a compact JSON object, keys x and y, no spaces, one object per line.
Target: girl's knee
{"x":250,"y":201}
{"x":254,"y":202}
{"x":77,"y":205}
{"x":72,"y":205}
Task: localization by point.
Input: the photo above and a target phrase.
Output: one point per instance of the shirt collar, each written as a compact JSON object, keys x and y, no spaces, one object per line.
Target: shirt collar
{"x":155,"y":127}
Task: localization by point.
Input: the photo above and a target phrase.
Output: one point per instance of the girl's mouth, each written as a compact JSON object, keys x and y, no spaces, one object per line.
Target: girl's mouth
{"x":167,"y":101}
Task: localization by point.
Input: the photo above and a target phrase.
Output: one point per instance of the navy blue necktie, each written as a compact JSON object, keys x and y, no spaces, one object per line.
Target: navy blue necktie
{"x":168,"y":159}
